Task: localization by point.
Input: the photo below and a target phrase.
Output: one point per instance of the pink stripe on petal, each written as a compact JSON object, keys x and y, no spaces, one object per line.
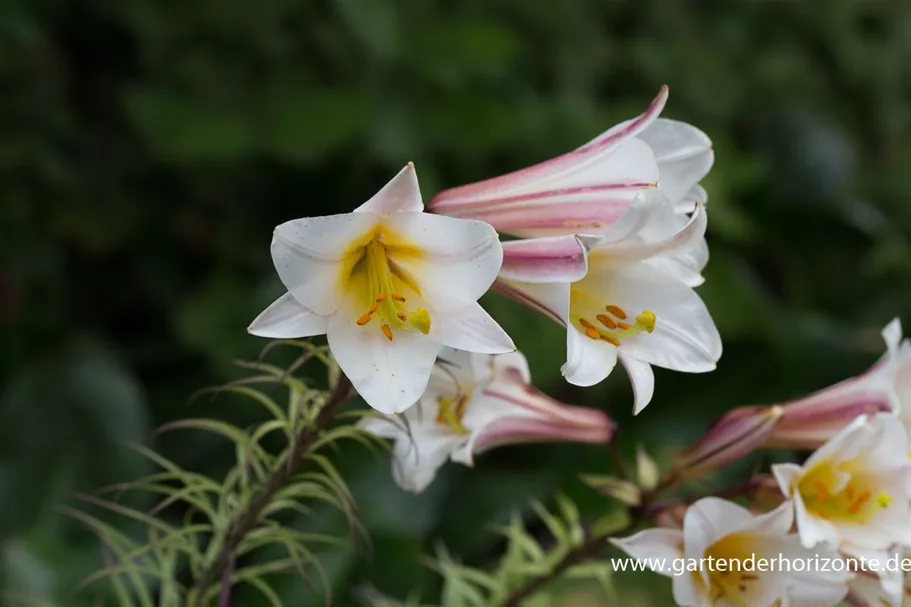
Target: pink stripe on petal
{"x":632,"y":127}
{"x":597,"y":429}
{"x":556,"y":259}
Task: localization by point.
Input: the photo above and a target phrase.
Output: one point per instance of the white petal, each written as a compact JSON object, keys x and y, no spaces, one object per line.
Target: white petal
{"x":472,"y":329}
{"x":401,"y":194}
{"x":662,"y":235}
{"x":787,"y":476}
{"x":310,"y":256}
{"x":710,"y":519}
{"x":812,"y":529}
{"x":642,"y":378}
{"x":551,"y":299}
{"x":389,"y":375}
{"x":696,"y":195}
{"x":633,"y":127}
{"x":776,"y":522}
{"x":811,"y":587}
{"x":553,"y":259}
{"x":892,"y":335}
{"x":417,"y":458}
{"x":286,"y":318}
{"x":385,"y":426}
{"x":512,"y":367}
{"x":653,"y":545}
{"x":866,"y":590}
{"x":458,"y":259}
{"x":588,"y":361}
{"x":846,"y":445}
{"x":685,"y":337}
{"x":684,"y":155}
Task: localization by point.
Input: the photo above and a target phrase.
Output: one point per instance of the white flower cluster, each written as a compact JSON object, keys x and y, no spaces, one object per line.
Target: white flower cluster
{"x":611,"y":245}
{"x":850,"y":501}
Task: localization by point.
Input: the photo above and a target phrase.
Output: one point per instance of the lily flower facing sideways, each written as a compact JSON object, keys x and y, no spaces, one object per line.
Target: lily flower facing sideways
{"x":585,"y":191}
{"x":389,"y":285}
{"x":476,"y":402}
{"x":709,"y":560}
{"x":626,"y":295}
{"x":853,"y":492}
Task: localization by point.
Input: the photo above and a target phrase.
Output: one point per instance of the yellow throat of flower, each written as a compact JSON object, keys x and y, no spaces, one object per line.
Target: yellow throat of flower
{"x":381,"y":286}
{"x":612,"y":324}
{"x":451,"y":410}
{"x":855,"y":502}
{"x":731,"y":582}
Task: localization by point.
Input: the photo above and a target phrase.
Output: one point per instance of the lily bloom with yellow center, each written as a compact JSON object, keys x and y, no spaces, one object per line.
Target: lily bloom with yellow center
{"x":625,"y":295}
{"x":476,"y":402}
{"x":853,"y":492}
{"x":389,"y":285}
{"x":710,"y":559}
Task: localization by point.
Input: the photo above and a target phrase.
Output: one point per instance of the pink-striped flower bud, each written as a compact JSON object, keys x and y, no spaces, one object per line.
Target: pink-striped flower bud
{"x":588,"y":189}
{"x":734,"y":436}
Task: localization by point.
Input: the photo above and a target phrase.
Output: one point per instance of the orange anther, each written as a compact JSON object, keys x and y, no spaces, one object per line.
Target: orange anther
{"x":822,"y":492}
{"x":402,"y":316}
{"x":607,"y":321}
{"x":363,"y":320}
{"x":623,"y":325}
{"x":593,"y":333}
{"x":616,"y":311}
{"x":398,"y":297}
{"x":849,"y":492}
{"x":373,"y":308}
{"x":387,"y":331}
{"x":587,"y":324}
{"x":381,"y":297}
{"x":611,"y":340}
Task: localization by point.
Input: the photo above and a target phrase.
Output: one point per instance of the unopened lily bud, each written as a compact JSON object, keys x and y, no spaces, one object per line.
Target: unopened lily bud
{"x":734,"y":436}
{"x":671,"y":516}
{"x":586,"y":190}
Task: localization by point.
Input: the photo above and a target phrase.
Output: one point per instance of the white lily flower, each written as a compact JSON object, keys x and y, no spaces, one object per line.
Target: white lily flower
{"x":388,"y":284}
{"x":588,"y":189}
{"x":624,"y":296}
{"x":888,"y":585}
{"x":476,"y":402}
{"x":715,"y":559}
{"x":853,"y":492}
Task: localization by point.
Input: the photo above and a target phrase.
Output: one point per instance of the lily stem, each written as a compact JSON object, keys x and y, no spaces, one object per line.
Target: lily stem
{"x":248,"y":518}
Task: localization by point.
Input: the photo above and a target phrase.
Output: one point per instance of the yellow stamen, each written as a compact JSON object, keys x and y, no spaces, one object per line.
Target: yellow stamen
{"x":613,"y":331}
{"x":450,"y":411}
{"x":387,"y":331}
{"x":380,"y":298}
{"x":616,"y":311}
{"x":398,"y":297}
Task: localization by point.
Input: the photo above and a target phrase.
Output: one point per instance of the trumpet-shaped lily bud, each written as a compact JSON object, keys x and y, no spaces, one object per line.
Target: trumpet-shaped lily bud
{"x":853,"y":492}
{"x":475,"y":403}
{"x":389,"y":285}
{"x":586,"y":190}
{"x":809,"y":422}
{"x":734,"y":436}
{"x":712,"y":560}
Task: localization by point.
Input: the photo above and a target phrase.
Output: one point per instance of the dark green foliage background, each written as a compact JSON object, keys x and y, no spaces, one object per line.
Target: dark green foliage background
{"x":148,"y":148}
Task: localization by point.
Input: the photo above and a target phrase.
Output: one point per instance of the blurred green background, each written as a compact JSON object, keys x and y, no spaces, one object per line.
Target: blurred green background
{"x":148,"y":148}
